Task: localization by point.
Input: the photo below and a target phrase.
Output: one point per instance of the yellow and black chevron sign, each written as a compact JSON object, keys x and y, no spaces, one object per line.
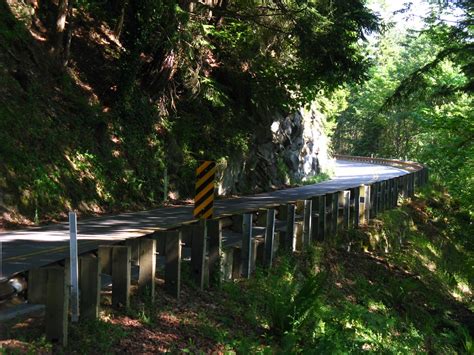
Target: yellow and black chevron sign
{"x":204,"y":198}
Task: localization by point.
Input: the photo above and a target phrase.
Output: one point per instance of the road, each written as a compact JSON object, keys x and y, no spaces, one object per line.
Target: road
{"x":24,"y":249}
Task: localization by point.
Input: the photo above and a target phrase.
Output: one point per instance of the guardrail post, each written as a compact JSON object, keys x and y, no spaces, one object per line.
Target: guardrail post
{"x":406,"y":184}
{"x":236,"y":263}
{"x":269,"y":237}
{"x":344,"y":204}
{"x":121,"y":275}
{"x":363,"y":203}
{"x":134,"y":250}
{"x":334,"y":213}
{"x":147,"y":265}
{"x":57,"y":303}
{"x":104,"y":253}
{"x":356,"y":207}
{"x":37,"y":285}
{"x":394,"y":192}
{"x":247,"y":247}
{"x":411,"y":185}
{"x":173,"y":262}
{"x":198,"y":253}
{"x":379,"y":197}
{"x":307,"y":224}
{"x":319,"y":220}
{"x":373,"y":200}
{"x":289,"y":240}
{"x":89,"y":286}
{"x":214,"y":231}
{"x":383,"y":196}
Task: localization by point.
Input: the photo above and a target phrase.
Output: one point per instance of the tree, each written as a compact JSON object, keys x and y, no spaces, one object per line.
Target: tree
{"x":418,"y":102}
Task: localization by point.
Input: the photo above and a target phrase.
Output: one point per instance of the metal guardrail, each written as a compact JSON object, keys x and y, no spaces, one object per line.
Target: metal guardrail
{"x":290,"y":226}
{"x":407,"y":165}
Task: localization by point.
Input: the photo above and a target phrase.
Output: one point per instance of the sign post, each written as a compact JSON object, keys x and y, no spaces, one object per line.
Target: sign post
{"x":74,"y":266}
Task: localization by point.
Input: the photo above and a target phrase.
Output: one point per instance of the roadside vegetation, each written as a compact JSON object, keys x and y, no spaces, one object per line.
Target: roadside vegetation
{"x":405,"y":285}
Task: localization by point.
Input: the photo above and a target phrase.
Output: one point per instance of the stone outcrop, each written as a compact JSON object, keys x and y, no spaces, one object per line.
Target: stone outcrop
{"x":290,"y":150}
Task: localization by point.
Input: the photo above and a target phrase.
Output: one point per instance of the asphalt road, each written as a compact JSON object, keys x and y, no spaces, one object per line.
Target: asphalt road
{"x":24,"y":249}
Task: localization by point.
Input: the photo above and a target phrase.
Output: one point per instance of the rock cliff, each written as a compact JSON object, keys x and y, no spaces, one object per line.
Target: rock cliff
{"x":290,"y":150}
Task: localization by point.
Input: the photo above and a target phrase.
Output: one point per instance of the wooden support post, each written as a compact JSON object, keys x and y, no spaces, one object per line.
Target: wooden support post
{"x":355,"y":212}
{"x":214,"y":231}
{"x":314,"y":218}
{"x":147,"y":262}
{"x":412,"y":185}
{"x":57,"y":304}
{"x":173,"y":262}
{"x":89,"y":286}
{"x":334,"y":213}
{"x":363,"y":204}
{"x":406,"y":192}
{"x":394,"y":193}
{"x":135,"y":250}
{"x":322,"y":217}
{"x":121,"y":276}
{"x":227,"y":265}
{"x":401,"y":186}
{"x":373,"y":207}
{"x":236,"y":263}
{"x":290,"y":237}
{"x":247,"y":247}
{"x":104,"y":253}
{"x":344,"y":204}
{"x":254,"y":255}
{"x":307,"y":223}
{"x":383,"y":194}
{"x":390,"y":194}
{"x":37,"y":285}
{"x":378,"y":197}
{"x":198,"y":254}
{"x":269,"y":237}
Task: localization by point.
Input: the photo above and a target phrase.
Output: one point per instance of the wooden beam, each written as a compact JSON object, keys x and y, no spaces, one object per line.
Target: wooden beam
{"x":214,"y":231}
{"x":307,"y":223}
{"x":57,"y":304}
{"x":89,"y":286}
{"x":173,"y":262}
{"x":247,"y":247}
{"x":121,"y":276}
{"x":147,"y":262}
{"x":198,"y":254}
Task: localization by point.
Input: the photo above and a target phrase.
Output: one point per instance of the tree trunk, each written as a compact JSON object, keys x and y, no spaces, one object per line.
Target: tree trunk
{"x":119,"y":25}
{"x":60,"y":27}
{"x":70,"y":29}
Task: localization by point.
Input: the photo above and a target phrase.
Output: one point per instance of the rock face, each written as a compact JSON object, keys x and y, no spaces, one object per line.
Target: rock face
{"x":290,"y":150}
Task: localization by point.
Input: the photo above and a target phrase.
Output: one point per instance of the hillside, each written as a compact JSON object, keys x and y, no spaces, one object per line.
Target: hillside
{"x":93,"y":120}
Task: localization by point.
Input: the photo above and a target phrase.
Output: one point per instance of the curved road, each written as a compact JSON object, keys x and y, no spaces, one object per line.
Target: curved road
{"x":38,"y":246}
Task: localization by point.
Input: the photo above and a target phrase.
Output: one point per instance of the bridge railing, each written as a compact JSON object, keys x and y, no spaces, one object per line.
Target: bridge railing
{"x":224,"y":248}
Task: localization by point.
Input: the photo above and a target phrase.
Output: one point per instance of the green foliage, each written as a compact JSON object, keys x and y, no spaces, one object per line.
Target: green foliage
{"x":94,"y":336}
{"x":317,"y":179}
{"x":417,"y":104}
